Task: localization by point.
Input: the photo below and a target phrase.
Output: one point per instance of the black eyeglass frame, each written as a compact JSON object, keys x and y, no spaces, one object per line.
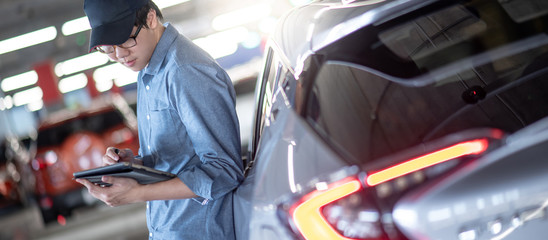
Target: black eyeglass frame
{"x":111,"y":49}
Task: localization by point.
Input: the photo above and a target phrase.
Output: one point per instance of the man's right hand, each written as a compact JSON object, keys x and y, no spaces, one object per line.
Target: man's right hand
{"x":114,"y":155}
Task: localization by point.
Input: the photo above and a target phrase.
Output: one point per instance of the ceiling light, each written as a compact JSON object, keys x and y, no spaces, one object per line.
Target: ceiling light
{"x":268,"y":24}
{"x":7,"y":102}
{"x":241,"y":16}
{"x":105,"y":76}
{"x":168,"y":3}
{"x":25,"y":97}
{"x":81,"y":63}
{"x":75,"y":82}
{"x":300,"y":2}
{"x":75,"y":26}
{"x":35,"y":106}
{"x":19,"y":81}
{"x":28,"y":39}
{"x":222,"y":43}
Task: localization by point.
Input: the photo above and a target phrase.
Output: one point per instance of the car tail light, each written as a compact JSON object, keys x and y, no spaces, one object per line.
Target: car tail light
{"x":347,"y":208}
{"x":453,"y":152}
{"x":336,"y":211}
{"x":38,"y":163}
{"x":47,"y":159}
{"x":308,"y":216}
{"x":46,"y":202}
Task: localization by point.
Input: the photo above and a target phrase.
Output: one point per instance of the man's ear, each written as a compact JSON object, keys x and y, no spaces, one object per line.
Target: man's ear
{"x":152,"y":20}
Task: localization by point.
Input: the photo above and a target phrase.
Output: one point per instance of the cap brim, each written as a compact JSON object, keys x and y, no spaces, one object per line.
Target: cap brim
{"x":113,"y":33}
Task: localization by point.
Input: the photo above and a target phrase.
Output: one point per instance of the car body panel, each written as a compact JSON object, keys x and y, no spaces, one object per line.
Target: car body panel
{"x":307,"y":156}
{"x":358,"y":87}
{"x":496,"y":197}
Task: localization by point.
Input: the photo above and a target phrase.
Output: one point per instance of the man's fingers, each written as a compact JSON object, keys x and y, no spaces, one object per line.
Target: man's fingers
{"x":107,"y":179}
{"x":112,"y":153}
{"x":84,"y":182}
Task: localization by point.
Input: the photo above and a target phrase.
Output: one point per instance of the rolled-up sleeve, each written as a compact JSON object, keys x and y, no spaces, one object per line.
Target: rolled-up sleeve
{"x":205,"y":103}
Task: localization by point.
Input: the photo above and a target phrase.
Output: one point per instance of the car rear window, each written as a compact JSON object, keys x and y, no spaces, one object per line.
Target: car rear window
{"x":441,"y":38}
{"x":96,"y":122}
{"x":474,"y":67}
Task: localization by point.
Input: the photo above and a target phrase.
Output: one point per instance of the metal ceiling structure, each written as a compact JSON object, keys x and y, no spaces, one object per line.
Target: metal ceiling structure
{"x":193,"y":18}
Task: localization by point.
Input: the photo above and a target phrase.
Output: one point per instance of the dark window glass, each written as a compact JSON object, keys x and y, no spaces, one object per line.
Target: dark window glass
{"x":365,"y":116}
{"x":421,"y":76}
{"x":409,"y":46}
{"x":96,"y":122}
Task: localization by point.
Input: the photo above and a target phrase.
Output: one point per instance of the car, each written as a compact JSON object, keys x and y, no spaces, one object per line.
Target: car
{"x":69,"y":141}
{"x":16,"y":182}
{"x":406,"y":119}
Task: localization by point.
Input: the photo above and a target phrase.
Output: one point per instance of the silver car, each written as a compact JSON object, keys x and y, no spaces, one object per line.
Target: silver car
{"x":409,"y":119}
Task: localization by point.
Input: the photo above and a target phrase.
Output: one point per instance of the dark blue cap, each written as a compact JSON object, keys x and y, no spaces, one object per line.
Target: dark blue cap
{"x":111,"y":20}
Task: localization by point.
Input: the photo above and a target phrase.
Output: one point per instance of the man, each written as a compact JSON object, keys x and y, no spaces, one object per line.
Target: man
{"x":187,"y":123}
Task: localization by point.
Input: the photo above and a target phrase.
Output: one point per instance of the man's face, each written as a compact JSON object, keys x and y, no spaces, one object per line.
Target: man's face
{"x":137,"y":57}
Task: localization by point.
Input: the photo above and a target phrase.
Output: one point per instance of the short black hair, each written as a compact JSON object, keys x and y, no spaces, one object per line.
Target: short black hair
{"x":142,"y":14}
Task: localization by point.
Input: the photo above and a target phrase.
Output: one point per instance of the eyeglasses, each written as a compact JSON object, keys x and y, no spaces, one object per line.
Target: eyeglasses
{"x":131,"y":42}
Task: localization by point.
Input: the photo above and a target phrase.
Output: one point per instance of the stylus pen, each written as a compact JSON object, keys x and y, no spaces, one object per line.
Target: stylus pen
{"x":117,"y":151}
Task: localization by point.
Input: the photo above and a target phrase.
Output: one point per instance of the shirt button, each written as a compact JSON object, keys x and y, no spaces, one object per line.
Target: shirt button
{"x":148,"y":147}
{"x":148,"y":117}
{"x":148,"y":87}
{"x":150,"y":234}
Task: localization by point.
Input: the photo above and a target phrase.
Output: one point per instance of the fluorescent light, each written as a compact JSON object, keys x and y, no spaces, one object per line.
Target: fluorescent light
{"x":27,"y":96}
{"x":19,"y":81}
{"x":126,"y":79}
{"x":104,"y":86}
{"x":117,"y":73}
{"x":81,"y":63}
{"x":302,"y":2}
{"x":241,"y":16}
{"x":28,"y":39}
{"x":75,"y":26}
{"x":222,"y":43}
{"x":2,"y":105}
{"x":75,"y":82}
{"x":168,"y":3}
{"x":6,"y":103}
{"x":35,"y":106}
{"x":268,"y":25}
{"x":82,"y":24}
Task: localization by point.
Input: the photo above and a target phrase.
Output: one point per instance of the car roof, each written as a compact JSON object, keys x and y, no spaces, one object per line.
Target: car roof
{"x":98,"y":105}
{"x":308,"y":28}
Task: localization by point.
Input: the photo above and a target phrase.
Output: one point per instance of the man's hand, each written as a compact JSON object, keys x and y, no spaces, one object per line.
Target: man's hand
{"x":114,"y":155}
{"x":123,"y":190}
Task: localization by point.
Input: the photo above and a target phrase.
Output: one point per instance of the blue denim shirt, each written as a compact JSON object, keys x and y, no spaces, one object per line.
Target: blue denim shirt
{"x":188,"y":126}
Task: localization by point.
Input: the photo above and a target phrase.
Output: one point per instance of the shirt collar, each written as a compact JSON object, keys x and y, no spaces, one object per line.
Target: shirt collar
{"x":161,"y":50}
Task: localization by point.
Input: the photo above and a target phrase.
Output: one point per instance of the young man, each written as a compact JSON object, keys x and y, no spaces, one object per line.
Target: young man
{"x":187,"y":123}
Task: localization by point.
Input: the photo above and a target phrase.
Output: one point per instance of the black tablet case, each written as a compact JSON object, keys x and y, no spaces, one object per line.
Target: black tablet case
{"x":143,"y":175}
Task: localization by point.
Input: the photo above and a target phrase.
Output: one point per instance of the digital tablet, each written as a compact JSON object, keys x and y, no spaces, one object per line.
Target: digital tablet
{"x":143,"y":175}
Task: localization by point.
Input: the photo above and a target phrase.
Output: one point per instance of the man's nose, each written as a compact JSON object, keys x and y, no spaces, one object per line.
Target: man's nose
{"x":121,"y":52}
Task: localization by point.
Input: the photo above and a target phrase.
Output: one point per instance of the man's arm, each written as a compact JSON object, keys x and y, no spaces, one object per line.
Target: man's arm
{"x":126,"y":190}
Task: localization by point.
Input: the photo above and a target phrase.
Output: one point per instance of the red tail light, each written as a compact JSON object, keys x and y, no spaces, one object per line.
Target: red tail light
{"x":345,"y":210}
{"x":308,"y":217}
{"x":452,"y":152}
{"x":38,"y":163}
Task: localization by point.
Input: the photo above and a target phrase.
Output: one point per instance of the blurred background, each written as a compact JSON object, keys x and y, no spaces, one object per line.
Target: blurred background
{"x":60,"y":106}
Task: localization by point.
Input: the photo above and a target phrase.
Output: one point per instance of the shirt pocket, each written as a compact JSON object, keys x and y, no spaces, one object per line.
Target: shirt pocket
{"x":162,"y":127}
{"x":158,"y":105}
{"x":166,"y":130}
